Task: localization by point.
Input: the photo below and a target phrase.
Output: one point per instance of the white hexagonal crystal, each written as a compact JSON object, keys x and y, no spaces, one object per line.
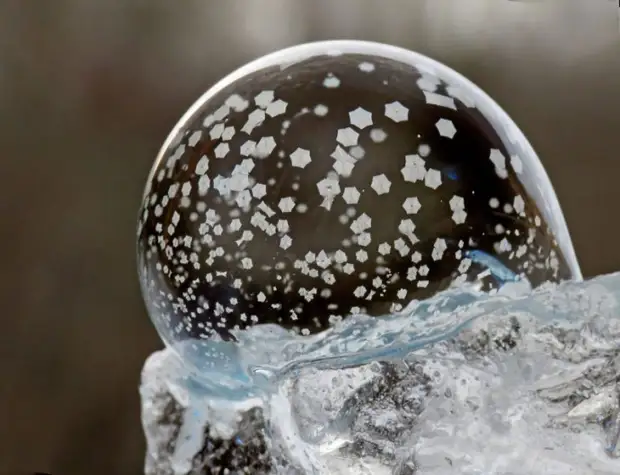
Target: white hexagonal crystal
{"x":221,"y":150}
{"x":445,"y":128}
{"x":412,"y":205}
{"x":381,"y":184}
{"x":264,"y":98}
{"x":432,"y":179}
{"x":264,"y":147}
{"x":287,"y":204}
{"x":300,"y":157}
{"x":276,"y":108}
{"x":347,"y":137}
{"x":351,"y":195}
{"x":360,"y":118}
{"x":396,"y":111}
{"x":457,"y":203}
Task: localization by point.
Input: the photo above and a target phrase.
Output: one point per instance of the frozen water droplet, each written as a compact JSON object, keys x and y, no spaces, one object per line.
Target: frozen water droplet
{"x":261,"y":172}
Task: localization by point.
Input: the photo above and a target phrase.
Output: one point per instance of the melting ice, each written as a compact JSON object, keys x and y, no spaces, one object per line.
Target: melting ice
{"x":514,"y":383}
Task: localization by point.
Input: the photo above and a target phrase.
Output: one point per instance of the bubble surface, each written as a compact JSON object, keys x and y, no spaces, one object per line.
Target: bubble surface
{"x":335,"y":178}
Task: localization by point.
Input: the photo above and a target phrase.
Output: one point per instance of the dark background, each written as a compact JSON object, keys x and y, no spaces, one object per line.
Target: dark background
{"x":89,"y":89}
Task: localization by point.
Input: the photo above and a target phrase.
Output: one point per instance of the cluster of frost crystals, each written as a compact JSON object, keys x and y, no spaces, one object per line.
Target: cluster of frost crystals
{"x":522,"y":384}
{"x":338,"y":178}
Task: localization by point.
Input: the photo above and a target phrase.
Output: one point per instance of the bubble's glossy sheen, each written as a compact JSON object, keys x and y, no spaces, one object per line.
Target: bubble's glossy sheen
{"x":334,"y":178}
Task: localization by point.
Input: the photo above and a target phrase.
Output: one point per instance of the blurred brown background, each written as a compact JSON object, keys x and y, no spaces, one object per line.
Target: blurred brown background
{"x":89,"y":89}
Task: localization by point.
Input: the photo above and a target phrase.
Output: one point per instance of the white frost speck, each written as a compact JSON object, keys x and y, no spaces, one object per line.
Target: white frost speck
{"x":366,"y":67}
{"x":321,"y":110}
{"x":445,"y":128}
{"x":377,"y":135}
{"x":396,"y":111}
{"x":264,"y":98}
{"x":351,"y":195}
{"x":264,"y":147}
{"x":360,"y":118}
{"x":255,"y":118}
{"x":347,"y":137}
{"x":412,"y":205}
{"x":286,"y":204}
{"x":276,"y":108}
{"x":414,"y":169}
{"x":432,"y":179}
{"x":331,"y":82}
{"x":381,"y":184}
{"x":439,"y":100}
{"x":300,"y":158}
{"x":498,"y":159}
{"x":221,"y":150}
{"x":202,"y":166}
{"x":194,"y":138}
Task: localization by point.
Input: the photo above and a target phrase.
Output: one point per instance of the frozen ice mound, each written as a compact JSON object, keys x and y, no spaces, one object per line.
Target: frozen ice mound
{"x":516,"y":383}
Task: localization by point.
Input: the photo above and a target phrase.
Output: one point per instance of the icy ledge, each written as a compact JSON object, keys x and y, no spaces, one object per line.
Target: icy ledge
{"x":528,"y":387}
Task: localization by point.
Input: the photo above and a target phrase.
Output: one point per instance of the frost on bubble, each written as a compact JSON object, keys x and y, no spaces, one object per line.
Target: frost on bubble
{"x":265,"y":171}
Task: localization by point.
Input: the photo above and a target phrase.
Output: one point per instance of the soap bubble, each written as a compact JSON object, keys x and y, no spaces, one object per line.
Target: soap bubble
{"x":335,"y":178}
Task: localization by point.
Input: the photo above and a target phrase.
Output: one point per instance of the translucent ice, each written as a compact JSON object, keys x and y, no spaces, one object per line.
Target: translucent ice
{"x":517,"y":383}
{"x":337,"y":178}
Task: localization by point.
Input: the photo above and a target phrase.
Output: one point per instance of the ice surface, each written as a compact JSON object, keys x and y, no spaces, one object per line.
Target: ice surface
{"x":517,"y":383}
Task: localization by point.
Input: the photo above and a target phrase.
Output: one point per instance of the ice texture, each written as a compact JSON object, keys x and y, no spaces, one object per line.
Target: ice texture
{"x":516,"y":383}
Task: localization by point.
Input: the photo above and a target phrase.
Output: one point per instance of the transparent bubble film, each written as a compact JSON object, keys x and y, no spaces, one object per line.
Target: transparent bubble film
{"x":337,"y":178}
{"x":321,"y":213}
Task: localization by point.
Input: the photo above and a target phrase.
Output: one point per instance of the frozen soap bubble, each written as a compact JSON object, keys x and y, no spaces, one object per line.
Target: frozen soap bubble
{"x":334,"y":178}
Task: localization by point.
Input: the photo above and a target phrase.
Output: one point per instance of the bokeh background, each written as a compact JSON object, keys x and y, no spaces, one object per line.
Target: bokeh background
{"x":89,"y":89}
